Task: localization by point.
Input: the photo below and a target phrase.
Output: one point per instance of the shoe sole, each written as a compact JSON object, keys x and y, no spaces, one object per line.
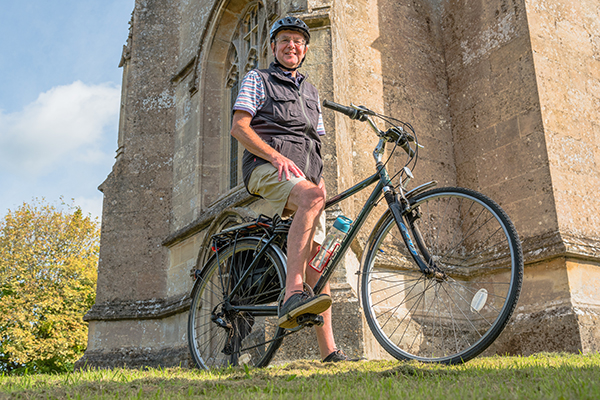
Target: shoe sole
{"x":317,"y":306}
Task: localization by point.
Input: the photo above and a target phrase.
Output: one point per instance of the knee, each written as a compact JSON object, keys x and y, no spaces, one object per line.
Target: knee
{"x":318,"y":198}
{"x":313,"y":199}
{"x":307,"y":197}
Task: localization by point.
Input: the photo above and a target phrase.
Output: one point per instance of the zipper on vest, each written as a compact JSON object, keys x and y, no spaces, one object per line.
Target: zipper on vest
{"x":303,"y":107}
{"x":308,"y":127}
{"x":310,"y":146}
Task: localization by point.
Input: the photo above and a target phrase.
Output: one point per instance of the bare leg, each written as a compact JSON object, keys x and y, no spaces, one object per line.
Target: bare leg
{"x":325,"y":332}
{"x":308,"y":201}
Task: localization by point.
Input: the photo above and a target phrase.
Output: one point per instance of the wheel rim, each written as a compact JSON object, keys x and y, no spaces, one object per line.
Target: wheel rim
{"x":451,"y":319}
{"x":221,"y":336}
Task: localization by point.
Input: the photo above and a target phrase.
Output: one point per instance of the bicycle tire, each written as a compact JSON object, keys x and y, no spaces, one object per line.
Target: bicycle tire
{"x":472,"y":241}
{"x":220,"y":337}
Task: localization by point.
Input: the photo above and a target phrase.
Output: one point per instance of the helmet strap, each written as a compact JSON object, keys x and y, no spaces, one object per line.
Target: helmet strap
{"x":278,"y":64}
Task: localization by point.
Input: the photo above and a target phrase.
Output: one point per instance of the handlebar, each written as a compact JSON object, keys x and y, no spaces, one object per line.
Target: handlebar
{"x":396,"y":134}
{"x":401,"y":138}
{"x":353,"y":113}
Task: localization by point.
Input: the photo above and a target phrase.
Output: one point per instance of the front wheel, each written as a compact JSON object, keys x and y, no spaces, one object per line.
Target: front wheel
{"x":226,"y":328}
{"x":454,"y":314}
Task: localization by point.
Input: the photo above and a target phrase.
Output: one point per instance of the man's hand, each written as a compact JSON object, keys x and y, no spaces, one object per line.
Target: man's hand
{"x":243,"y":132}
{"x":286,"y":166}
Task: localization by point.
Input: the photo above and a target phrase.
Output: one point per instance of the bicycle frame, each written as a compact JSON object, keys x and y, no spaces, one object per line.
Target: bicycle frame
{"x":383,"y":181}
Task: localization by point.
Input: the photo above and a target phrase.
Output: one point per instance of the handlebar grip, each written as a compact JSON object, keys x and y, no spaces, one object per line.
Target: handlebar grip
{"x":349,"y":111}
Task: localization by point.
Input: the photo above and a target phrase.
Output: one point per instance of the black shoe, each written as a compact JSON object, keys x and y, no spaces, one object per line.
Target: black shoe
{"x":338,"y":356}
{"x":299,"y":304}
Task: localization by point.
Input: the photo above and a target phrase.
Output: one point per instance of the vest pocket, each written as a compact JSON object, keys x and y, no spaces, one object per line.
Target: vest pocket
{"x":304,"y":152}
{"x":312,"y":109}
{"x":285,"y":110}
{"x":289,"y":148}
{"x":275,"y":143}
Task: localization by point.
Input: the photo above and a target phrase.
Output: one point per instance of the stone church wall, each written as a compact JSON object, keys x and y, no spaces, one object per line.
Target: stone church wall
{"x":502,"y":93}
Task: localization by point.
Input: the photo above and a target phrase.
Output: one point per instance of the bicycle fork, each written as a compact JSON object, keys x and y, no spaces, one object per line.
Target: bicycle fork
{"x":400,"y":212}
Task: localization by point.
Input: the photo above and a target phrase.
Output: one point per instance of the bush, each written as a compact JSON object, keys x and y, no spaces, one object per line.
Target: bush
{"x":48,"y":272}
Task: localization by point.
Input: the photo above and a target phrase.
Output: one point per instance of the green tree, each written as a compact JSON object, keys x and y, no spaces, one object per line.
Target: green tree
{"x":48,"y":272}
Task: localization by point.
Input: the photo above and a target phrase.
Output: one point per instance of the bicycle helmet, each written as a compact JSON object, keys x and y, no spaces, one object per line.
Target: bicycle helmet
{"x":291,"y":24}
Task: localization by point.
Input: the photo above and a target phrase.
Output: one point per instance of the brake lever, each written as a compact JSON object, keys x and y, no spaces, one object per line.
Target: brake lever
{"x":363,"y":109}
{"x":410,"y":137}
{"x":364,"y":112}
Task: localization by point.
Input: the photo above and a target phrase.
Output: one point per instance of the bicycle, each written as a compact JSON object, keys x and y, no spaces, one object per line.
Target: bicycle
{"x":440,"y":275}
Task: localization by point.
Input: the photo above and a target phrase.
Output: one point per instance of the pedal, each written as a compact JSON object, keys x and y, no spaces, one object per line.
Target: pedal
{"x":309,"y":320}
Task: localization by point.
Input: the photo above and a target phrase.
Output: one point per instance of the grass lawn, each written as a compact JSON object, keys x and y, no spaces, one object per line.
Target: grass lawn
{"x":542,"y":376}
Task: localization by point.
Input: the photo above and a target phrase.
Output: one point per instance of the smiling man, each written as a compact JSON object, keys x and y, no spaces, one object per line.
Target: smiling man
{"x":278,"y":120}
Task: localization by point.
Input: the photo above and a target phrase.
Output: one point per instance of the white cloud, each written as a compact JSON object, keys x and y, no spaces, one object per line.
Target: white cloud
{"x":64,"y":122}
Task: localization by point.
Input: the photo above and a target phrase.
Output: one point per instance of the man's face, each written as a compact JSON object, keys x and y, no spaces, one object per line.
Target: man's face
{"x":289,"y":48}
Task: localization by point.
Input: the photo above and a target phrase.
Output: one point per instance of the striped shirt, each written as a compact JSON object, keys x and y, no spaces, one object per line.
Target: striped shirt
{"x":252,"y":97}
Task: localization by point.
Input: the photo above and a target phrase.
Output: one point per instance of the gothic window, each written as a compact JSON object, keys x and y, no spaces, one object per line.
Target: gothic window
{"x":248,"y":50}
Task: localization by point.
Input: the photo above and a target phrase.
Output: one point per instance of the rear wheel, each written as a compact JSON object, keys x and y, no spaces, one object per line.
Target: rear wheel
{"x":219,"y":333}
{"x":454,"y":314}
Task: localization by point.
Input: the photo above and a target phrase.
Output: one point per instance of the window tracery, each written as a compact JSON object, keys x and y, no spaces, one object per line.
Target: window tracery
{"x":248,"y":50}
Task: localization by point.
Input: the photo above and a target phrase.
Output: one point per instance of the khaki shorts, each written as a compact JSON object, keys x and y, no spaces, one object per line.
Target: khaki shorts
{"x":264,"y":182}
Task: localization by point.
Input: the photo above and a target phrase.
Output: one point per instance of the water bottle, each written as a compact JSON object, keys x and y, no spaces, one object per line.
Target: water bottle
{"x":331,"y":243}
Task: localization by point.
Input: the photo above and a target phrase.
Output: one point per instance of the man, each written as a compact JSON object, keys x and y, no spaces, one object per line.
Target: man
{"x":277,"y":119}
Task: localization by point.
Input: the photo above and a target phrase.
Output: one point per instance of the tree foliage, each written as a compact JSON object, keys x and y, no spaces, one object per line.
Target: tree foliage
{"x":48,"y":272}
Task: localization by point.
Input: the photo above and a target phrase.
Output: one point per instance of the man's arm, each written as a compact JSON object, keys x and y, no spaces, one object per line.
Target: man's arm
{"x":243,"y":132}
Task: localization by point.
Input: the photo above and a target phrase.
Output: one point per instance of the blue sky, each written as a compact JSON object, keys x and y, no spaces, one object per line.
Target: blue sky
{"x":59,"y":98}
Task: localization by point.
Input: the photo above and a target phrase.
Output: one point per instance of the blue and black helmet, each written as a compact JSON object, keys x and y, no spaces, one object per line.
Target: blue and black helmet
{"x":290,"y":24}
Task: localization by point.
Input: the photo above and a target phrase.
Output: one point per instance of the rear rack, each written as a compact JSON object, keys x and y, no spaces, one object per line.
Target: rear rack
{"x":260,"y":223}
{"x":262,"y":226}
